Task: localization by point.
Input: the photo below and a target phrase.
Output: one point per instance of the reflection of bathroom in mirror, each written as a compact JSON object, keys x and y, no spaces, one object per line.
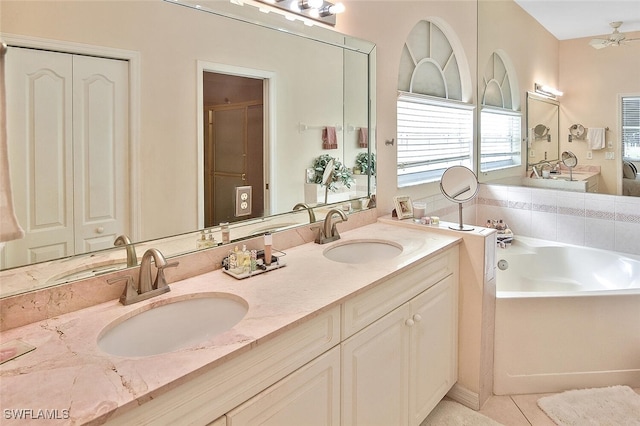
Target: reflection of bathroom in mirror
{"x":591,"y":95}
{"x":164,"y":120}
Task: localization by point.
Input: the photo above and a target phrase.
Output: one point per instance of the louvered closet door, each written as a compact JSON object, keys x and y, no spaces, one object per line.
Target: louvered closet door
{"x":67,"y":131}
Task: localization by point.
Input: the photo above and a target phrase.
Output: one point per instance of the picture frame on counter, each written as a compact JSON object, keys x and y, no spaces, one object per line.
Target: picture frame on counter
{"x":404,"y":208}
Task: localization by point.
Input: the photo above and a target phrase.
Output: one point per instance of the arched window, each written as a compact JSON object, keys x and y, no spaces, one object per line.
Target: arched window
{"x":435,"y":118}
{"x":500,"y":118}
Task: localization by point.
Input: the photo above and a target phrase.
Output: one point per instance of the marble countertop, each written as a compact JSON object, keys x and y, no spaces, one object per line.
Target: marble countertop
{"x":67,"y":372}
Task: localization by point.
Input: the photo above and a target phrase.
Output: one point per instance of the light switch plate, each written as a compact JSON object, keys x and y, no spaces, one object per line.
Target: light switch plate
{"x":243,"y":200}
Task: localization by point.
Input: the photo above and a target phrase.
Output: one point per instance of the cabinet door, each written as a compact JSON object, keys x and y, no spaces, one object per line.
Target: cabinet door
{"x":310,"y":396}
{"x":434,"y":344}
{"x":375,"y":368}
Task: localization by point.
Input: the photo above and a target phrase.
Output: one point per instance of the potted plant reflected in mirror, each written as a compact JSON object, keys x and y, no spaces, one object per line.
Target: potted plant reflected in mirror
{"x":340,"y":175}
{"x":365,"y":164}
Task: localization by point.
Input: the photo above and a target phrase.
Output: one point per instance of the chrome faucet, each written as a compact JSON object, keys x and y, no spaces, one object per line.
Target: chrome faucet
{"x":328,"y":231}
{"x":312,"y":215}
{"x":132,"y":257}
{"x":147,"y":287}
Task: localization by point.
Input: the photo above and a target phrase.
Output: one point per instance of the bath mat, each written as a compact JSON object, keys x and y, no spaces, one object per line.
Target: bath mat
{"x":612,"y":406}
{"x":450,"y":413}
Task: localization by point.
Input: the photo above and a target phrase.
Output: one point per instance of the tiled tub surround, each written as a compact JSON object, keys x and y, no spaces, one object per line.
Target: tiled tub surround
{"x":601,"y":221}
{"x":68,"y":371}
{"x":595,"y":220}
{"x":33,"y":306}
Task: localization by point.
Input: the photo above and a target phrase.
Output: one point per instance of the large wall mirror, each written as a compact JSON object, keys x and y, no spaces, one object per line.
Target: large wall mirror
{"x":590,"y":99}
{"x":155,"y":92}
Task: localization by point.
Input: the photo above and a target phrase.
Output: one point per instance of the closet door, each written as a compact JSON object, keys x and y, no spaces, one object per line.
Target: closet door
{"x":67,"y":128}
{"x":39,"y":135}
{"x":100,"y":151}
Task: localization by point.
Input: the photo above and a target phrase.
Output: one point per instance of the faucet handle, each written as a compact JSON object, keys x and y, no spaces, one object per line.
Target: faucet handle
{"x":129,"y":289}
{"x":160,"y":279}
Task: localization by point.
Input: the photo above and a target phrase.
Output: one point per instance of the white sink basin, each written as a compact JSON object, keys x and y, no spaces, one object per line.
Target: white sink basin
{"x":362,"y":251}
{"x":175,"y":325}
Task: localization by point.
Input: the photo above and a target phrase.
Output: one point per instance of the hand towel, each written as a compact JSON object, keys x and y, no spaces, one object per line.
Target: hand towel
{"x":595,"y":138}
{"x":363,"y":137}
{"x":329,"y":138}
{"x":9,"y":227}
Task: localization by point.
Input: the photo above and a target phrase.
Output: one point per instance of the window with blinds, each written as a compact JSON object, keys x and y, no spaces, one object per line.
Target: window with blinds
{"x":500,"y":136}
{"x":433,"y":134}
{"x":631,"y":128}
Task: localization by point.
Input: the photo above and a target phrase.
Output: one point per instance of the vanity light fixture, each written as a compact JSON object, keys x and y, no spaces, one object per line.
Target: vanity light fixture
{"x":548,"y":91}
{"x":309,"y":10}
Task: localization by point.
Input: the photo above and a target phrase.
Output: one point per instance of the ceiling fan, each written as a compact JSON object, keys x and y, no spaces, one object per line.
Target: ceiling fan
{"x":615,"y":39}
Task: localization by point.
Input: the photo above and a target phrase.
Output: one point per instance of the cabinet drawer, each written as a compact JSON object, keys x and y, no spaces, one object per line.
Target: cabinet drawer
{"x":364,"y":309}
{"x":310,"y":396}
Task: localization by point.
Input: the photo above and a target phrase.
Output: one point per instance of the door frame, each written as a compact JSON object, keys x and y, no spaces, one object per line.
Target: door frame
{"x":133,"y":60}
{"x":269,"y":84}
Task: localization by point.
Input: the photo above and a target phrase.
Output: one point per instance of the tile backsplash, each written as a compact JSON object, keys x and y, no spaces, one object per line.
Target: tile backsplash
{"x":594,"y":220}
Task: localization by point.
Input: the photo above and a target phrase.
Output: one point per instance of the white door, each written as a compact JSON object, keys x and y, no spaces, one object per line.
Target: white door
{"x":375,"y":369}
{"x":434,"y":344}
{"x":100,"y":151}
{"x":64,"y":112}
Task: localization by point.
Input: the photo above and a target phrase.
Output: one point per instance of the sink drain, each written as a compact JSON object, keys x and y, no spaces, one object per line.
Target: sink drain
{"x":503,"y":264}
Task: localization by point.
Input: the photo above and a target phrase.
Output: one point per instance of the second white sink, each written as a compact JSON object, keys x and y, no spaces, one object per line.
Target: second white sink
{"x":362,"y":251}
{"x":176,"y":325}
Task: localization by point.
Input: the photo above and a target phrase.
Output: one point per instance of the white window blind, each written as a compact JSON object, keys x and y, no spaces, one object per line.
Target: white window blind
{"x":433,"y":135}
{"x":631,"y":128}
{"x":500,"y":136}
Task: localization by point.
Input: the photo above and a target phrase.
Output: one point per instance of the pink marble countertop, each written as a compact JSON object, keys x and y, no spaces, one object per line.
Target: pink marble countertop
{"x":68,"y":374}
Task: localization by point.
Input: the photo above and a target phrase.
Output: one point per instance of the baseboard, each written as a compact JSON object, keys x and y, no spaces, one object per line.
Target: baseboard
{"x":465,"y":397}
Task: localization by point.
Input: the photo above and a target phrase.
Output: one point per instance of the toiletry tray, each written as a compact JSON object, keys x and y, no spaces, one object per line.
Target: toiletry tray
{"x":242,"y":275}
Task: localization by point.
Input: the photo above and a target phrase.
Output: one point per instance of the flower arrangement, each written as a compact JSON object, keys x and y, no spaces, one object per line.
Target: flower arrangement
{"x":340,"y":172}
{"x":363,"y":164}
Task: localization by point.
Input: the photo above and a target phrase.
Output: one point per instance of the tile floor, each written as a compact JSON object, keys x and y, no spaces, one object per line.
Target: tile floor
{"x":518,"y":410}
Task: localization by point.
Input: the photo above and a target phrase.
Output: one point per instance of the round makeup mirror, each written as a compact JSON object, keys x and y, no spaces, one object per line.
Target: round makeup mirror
{"x":459,"y":184}
{"x":540,"y":131}
{"x":327,"y":177}
{"x":570,"y":160}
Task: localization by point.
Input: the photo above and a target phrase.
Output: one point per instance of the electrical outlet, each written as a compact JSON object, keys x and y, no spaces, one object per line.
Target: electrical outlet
{"x":610,"y":144}
{"x":243,"y":201}
{"x":589,"y":155}
{"x":532,"y":153}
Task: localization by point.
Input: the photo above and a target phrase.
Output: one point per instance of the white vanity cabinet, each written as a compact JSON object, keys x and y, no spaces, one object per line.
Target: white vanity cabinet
{"x":395,"y":370}
{"x":386,"y":355}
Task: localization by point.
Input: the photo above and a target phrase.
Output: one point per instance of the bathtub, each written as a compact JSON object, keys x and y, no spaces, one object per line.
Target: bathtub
{"x":567,"y":317}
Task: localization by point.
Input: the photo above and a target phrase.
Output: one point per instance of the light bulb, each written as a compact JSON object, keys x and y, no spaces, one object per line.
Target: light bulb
{"x":336,"y":8}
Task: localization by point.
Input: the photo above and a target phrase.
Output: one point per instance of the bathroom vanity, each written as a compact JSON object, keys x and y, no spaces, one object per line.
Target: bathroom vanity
{"x":322,"y":342}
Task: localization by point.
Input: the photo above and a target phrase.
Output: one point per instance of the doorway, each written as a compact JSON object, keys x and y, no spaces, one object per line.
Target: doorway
{"x":233,"y":109}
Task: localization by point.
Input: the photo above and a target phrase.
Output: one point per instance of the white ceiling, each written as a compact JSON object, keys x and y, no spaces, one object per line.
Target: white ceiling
{"x":567,"y":19}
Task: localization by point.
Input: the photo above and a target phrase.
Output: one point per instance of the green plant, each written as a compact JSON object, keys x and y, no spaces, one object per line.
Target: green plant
{"x":340,"y":172}
{"x":363,"y":163}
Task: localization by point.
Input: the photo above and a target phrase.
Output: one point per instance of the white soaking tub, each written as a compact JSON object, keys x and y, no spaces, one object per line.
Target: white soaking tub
{"x":566,"y":317}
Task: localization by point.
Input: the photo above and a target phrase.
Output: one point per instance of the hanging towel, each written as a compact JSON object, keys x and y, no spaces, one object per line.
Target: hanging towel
{"x":329,"y":138}
{"x":363,"y":137}
{"x":595,"y":138}
{"x":9,"y":227}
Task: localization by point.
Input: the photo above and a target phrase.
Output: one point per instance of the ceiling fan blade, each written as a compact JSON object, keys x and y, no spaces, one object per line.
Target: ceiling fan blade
{"x":599,"y":43}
